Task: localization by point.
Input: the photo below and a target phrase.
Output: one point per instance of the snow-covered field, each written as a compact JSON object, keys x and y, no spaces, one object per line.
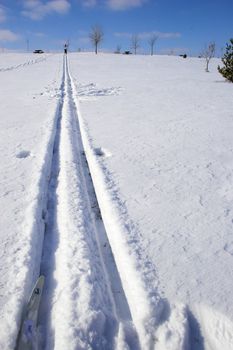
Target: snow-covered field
{"x":116,"y":184}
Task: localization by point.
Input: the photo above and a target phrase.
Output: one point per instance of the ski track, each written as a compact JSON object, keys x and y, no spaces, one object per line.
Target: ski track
{"x":96,"y":294}
{"x":84,"y":304}
{"x":25,"y":64}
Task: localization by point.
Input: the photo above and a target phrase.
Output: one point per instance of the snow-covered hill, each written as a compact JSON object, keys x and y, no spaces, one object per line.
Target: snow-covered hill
{"x":138,"y":254}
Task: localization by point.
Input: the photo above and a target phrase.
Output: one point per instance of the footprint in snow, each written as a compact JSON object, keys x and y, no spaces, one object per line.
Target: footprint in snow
{"x":102,"y":152}
{"x":92,"y":90}
{"x":23,"y":154}
{"x":229,"y":248}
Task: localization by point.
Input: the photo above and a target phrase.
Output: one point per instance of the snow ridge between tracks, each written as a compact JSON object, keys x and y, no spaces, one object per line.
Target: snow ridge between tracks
{"x":76,"y":310}
{"x":138,"y":280}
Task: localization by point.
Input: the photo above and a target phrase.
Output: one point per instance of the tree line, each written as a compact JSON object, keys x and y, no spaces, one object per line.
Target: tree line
{"x":96,"y":36}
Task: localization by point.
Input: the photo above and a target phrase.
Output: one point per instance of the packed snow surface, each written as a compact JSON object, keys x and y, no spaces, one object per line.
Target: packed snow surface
{"x":116,"y":184}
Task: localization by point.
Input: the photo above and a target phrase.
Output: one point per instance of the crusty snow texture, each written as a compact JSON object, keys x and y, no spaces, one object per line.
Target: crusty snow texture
{"x":116,"y":185}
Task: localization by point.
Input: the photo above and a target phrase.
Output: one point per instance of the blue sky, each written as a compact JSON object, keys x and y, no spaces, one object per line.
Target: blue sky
{"x":181,"y":26}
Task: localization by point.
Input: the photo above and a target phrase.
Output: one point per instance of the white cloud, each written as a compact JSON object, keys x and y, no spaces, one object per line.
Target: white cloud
{"x":120,"y":5}
{"x":2,"y":14}
{"x":59,"y":6}
{"x":123,"y":35}
{"x":30,"y":4}
{"x":147,"y":35}
{"x":83,"y":41}
{"x":89,"y":3}
{"x":36,"y":34}
{"x":169,"y":35}
{"x":83,"y":37}
{"x":37,"y":9}
{"x":163,"y":35}
{"x":40,"y":35}
{"x":8,"y":35}
{"x":115,"y":5}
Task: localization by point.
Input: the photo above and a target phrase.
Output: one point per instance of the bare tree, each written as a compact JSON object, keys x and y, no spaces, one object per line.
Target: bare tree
{"x":96,"y":36}
{"x":135,"y":41}
{"x":152,"y":40}
{"x":208,"y":53}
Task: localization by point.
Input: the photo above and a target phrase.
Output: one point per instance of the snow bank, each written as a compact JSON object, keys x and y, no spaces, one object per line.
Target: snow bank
{"x":169,"y":130}
{"x":216,"y":328}
{"x":138,"y":280}
{"x":27,"y":132}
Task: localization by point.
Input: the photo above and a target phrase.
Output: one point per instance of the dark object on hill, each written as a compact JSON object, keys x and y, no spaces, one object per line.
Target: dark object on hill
{"x":66,"y":48}
{"x":227,"y":60}
{"x":184,"y":56}
{"x":38,"y":51}
{"x":127,"y":53}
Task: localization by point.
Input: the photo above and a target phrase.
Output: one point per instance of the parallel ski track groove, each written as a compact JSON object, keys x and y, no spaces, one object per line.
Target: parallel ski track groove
{"x":53,"y":236}
{"x":50,"y":239}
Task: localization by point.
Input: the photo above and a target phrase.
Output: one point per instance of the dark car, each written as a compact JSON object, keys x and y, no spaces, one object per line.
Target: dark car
{"x":38,"y":51}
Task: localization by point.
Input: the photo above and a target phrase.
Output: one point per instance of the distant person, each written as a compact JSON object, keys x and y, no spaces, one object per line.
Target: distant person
{"x":65,"y":48}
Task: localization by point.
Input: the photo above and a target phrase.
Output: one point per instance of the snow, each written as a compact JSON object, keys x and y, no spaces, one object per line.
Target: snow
{"x":116,"y":184}
{"x":9,"y":61}
{"x":169,"y":131}
{"x":28,"y":108}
